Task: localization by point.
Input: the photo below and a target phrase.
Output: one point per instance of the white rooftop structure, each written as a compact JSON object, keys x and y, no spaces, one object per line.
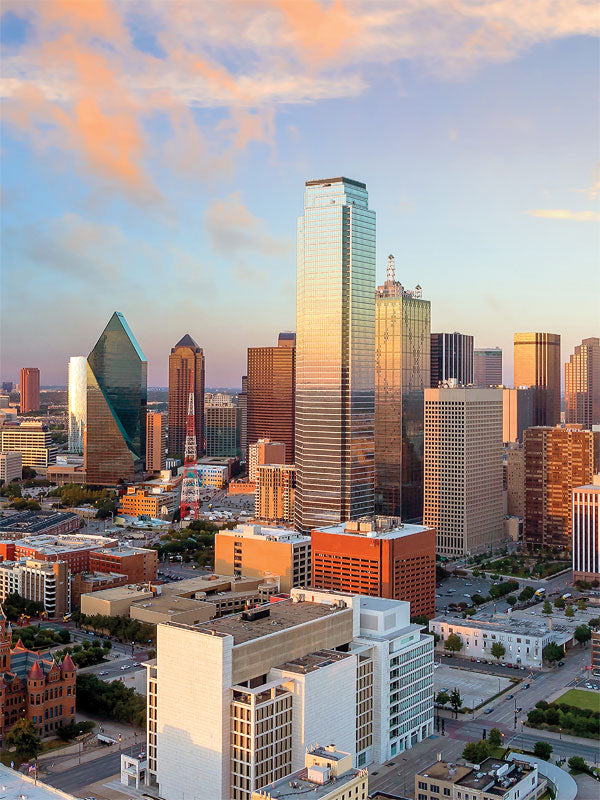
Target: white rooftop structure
{"x":250,"y":531}
{"x":376,"y":527}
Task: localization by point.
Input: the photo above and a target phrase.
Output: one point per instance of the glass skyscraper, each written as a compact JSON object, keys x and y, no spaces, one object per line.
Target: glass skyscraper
{"x":335,"y":354}
{"x":116,"y":406}
{"x":77,"y":402}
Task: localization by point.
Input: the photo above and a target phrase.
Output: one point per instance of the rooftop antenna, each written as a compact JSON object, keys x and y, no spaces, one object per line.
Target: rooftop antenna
{"x":391,"y":269}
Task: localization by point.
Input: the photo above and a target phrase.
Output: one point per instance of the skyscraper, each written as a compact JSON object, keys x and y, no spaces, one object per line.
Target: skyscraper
{"x":537,"y":365}
{"x":487,"y":367}
{"x":582,"y":384}
{"x":451,"y":358}
{"x":402,"y":368}
{"x":186,"y":360}
{"x":517,"y":409}
{"x":30,"y":389}
{"x":271,"y":391}
{"x":116,"y":406}
{"x":77,"y":402}
{"x":243,"y":406}
{"x":156,"y":441}
{"x":222,"y":430}
{"x":335,"y":354}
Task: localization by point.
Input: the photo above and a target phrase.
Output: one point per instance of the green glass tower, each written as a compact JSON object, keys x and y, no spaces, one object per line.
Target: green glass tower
{"x":117,"y":389}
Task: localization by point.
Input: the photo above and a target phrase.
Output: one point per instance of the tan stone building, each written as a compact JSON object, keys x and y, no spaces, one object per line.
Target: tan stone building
{"x":494,"y":777}
{"x":156,"y":441}
{"x":514,"y":480}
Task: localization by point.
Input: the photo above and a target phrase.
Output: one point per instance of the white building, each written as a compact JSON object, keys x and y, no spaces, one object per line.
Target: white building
{"x":234,"y":703}
{"x":43,"y":581}
{"x":77,"y":402}
{"x":11,"y":466}
{"x":212,"y":475}
{"x":586,"y":532}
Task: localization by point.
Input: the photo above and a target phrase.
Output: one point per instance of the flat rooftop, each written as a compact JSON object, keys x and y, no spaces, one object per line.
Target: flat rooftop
{"x":511,"y":625}
{"x":262,"y":532}
{"x":311,"y":663}
{"x":443,"y":771}
{"x":172,"y":603}
{"x":34,"y":521}
{"x":15,"y":784}
{"x":212,"y":584}
{"x":378,"y":527}
{"x":122,"y":551}
{"x":298,"y":785}
{"x":121,"y":593}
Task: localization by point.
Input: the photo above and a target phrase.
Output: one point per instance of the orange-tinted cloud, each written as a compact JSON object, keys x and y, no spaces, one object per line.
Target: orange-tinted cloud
{"x":563,"y":213}
{"x":83,"y":17}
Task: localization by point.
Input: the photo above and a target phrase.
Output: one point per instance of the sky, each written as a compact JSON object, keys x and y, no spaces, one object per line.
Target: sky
{"x":154,"y":156}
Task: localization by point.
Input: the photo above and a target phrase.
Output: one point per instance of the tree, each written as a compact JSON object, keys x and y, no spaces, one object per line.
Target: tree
{"x":577,"y":764}
{"x":477,"y":599}
{"x":547,"y":609}
{"x":453,"y":643}
{"x":495,"y":738}
{"x":512,"y":600}
{"x":594,"y":622}
{"x":476,"y":752}
{"x":581,"y":604}
{"x":28,"y":473}
{"x":442,"y":698}
{"x":526,"y":594}
{"x":455,"y":701}
{"x":542,"y":750}
{"x":498,"y":650}
{"x":559,"y":603}
{"x":552,"y":652}
{"x":569,"y":612}
{"x":23,"y":736}
{"x":583,"y":634}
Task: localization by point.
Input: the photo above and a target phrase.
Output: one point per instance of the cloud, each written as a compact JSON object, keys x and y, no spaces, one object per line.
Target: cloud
{"x":234,"y":231}
{"x":563,"y":213}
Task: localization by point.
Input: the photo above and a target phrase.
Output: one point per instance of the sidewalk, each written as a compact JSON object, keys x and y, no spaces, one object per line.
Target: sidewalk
{"x":564,"y":737}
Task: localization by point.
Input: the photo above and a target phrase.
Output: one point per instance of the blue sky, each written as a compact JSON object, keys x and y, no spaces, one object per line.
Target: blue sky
{"x":153,"y":163}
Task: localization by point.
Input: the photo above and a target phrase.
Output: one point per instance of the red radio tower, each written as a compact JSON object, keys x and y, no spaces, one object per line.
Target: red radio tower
{"x":190,"y":488}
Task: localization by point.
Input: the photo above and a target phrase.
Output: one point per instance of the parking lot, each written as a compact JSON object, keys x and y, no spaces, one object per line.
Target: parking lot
{"x":458,"y":590}
{"x":474,"y":687}
{"x":558,"y":615}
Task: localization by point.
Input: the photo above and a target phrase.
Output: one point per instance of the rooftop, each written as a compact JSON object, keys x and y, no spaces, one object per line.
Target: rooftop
{"x":313,"y":662}
{"x":266,"y":533}
{"x":49,"y":544}
{"x":15,"y":784}
{"x":123,"y":593}
{"x":122,"y":551}
{"x":325,"y":181}
{"x":494,"y":775}
{"x":509,"y":625}
{"x":169,"y":603}
{"x":377,"y":527}
{"x":34,"y":521}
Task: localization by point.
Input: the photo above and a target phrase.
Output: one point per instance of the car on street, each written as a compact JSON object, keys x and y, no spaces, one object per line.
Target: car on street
{"x":561,"y":663}
{"x":103,"y":672}
{"x":125,"y":666}
{"x":488,"y":710}
{"x":518,"y":709}
{"x":525,"y":686}
{"x":509,"y":696}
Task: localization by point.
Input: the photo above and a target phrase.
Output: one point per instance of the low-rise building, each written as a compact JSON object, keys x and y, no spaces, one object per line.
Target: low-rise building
{"x":140,"y":564}
{"x":155,"y":502}
{"x":33,"y":440}
{"x":595,"y":652}
{"x":61,"y":474}
{"x":36,"y":523}
{"x":241,"y":487}
{"x":213,"y":475}
{"x":42,"y":581}
{"x":88,"y":582}
{"x":74,"y":549}
{"x":493,"y":778}
{"x":11,"y":466}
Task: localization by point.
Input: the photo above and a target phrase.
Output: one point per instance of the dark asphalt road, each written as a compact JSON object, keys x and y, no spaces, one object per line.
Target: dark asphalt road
{"x":91,"y":771}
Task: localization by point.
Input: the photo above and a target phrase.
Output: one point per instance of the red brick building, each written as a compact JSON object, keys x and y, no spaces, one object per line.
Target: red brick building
{"x":379,"y":557}
{"x":74,"y":550}
{"x":138,"y":563}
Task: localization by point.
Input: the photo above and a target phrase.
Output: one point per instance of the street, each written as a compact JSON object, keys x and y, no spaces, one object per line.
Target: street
{"x":84,"y":774}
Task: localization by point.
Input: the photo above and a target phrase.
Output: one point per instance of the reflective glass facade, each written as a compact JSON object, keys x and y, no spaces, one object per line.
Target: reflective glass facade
{"x":77,"y":402}
{"x":116,"y":406}
{"x":537,"y":365}
{"x":451,"y":358}
{"x":335,"y":354}
{"x":186,"y":368}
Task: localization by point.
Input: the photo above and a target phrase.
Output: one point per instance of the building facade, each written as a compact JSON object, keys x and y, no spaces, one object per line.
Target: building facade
{"x":463,"y":469}
{"x":11,"y":466}
{"x":154,"y":503}
{"x":77,"y":396}
{"x":275,"y":493}
{"x":222,"y":430}
{"x":32,"y":440}
{"x":264,"y":451}
{"x":30,"y":390}
{"x":117,"y":393}
{"x":487,"y":367}
{"x":72,"y":550}
{"x":582,"y":384}
{"x":517,"y":413}
{"x":451,"y":359}
{"x":586,"y":532}
{"x":514,"y":480}
{"x":557,"y":460}
{"x":493,"y":778}
{"x":138,"y":563}
{"x":537,"y":365}
{"x":595,"y":653}
{"x":156,"y":441}
{"x":38,"y":523}
{"x":243,"y":406}
{"x":41,"y":581}
{"x":335,"y":354}
{"x":186,"y":369}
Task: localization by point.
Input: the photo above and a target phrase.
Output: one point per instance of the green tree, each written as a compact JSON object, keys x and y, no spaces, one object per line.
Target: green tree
{"x":442,"y":698}
{"x":542,"y":750}
{"x":547,"y":609}
{"x":526,"y":594}
{"x":23,"y":737}
{"x":594,"y":623}
{"x":552,"y":652}
{"x":569,"y":611}
{"x":455,"y":701}
{"x":476,"y":752}
{"x":583,"y":634}
{"x":577,"y":764}
{"x":453,"y":643}
{"x":512,"y":600}
{"x":498,"y":650}
{"x":581,"y":604}
{"x":559,"y":603}
{"x":495,"y":738}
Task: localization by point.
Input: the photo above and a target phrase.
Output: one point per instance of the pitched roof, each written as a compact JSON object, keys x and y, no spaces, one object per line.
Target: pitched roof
{"x":186,"y":341}
{"x":35,"y":673}
{"x":67,"y":664}
{"x":19,"y":646}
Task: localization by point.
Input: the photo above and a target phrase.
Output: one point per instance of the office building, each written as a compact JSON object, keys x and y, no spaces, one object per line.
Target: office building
{"x":235,"y":702}
{"x":379,"y":557}
{"x":494,"y":777}
{"x":259,"y":551}
{"x":186,"y":369}
{"x":77,"y":396}
{"x":582,"y":384}
{"x":243,"y":406}
{"x":327,"y":775}
{"x":4,"y":401}
{"x":402,"y":373}
{"x":156,"y":441}
{"x":517,"y":413}
{"x":463,"y":469}
{"x":264,"y":451}
{"x":33,"y":440}
{"x":275,"y":493}
{"x":557,"y":460}
{"x":11,"y":466}
{"x":271,"y":393}
{"x":586,"y":532}
{"x":116,"y":407}
{"x":154,"y":502}
{"x":42,"y":581}
{"x":7,"y":387}
{"x":138,"y":563}
{"x":451,"y":359}
{"x":335,"y":354}
{"x":213,"y":475}
{"x":487,"y":367}
{"x":222,"y":430}
{"x":88,"y":582}
{"x":537,"y":365}
{"x":514,"y":480}
{"x":29,"y":390}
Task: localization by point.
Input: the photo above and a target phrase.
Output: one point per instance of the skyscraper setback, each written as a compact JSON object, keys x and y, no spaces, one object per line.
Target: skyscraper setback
{"x":335,"y":354}
{"x":186,"y":362}
{"x":451,"y":358}
{"x":537,"y":365}
{"x":582,"y":384}
{"x":30,"y":390}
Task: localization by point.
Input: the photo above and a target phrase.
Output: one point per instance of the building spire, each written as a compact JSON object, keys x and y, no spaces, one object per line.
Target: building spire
{"x":391,"y":269}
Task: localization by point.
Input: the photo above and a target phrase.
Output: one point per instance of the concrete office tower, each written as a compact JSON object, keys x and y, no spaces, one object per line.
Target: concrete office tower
{"x":234,"y":703}
{"x":402,"y":369}
{"x":11,"y":466}
{"x":517,"y":413}
{"x":335,"y":354}
{"x":272,"y":393}
{"x":33,"y":440}
{"x":275,"y":493}
{"x":463,"y":469}
{"x":487,"y":367}
{"x":117,"y":391}
{"x":586,"y":532}
{"x":451,"y":358}
{"x":264,"y":451}
{"x":243,"y":406}
{"x":30,"y":390}
{"x":582,"y":384}
{"x":186,"y":363}
{"x":77,"y":402}
{"x":557,"y":460}
{"x":156,"y":441}
{"x":222,"y":430}
{"x":514,"y":480}
{"x":537,"y":365}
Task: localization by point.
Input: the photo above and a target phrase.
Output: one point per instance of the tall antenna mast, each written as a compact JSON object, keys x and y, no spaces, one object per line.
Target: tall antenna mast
{"x":190,"y":487}
{"x":391,"y":269}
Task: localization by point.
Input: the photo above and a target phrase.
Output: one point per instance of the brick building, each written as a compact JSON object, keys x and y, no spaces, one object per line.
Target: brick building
{"x":148,"y":502}
{"x":138,"y":563}
{"x":73,"y":550}
{"x":35,"y":523}
{"x":86,"y":582}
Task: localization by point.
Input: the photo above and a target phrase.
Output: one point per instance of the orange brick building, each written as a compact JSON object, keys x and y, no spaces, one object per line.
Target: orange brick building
{"x":379,"y":557}
{"x":138,"y":563}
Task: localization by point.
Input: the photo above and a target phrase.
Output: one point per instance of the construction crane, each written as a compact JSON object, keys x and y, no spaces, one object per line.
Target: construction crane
{"x":190,"y":487}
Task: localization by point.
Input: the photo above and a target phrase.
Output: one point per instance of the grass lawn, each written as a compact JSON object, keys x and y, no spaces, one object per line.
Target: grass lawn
{"x":580,"y":699}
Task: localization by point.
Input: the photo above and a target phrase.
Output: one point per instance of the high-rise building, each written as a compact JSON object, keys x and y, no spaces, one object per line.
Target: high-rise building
{"x":275,"y":493}
{"x":222,"y":430}
{"x":586,"y":532}
{"x":186,"y":363}
{"x":272,"y":393}
{"x":557,"y":460}
{"x":463,"y":469}
{"x":451,"y":359}
{"x":514,"y":480}
{"x":33,"y":440}
{"x":30,"y":389}
{"x":116,"y":406}
{"x":11,"y":466}
{"x":7,"y":386}
{"x":517,"y":413}
{"x":44,"y":582}
{"x":582,"y":384}
{"x":233,"y":703}
{"x":537,"y":365}
{"x":487,"y":367}
{"x":335,"y":354}
{"x":264,"y":451}
{"x":402,"y":342}
{"x":77,"y":402}
{"x":156,"y":441}
{"x":380,"y":557}
{"x":243,"y":406}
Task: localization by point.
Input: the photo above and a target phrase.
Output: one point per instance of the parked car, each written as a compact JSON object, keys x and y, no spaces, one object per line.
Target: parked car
{"x":509,"y":696}
{"x":525,"y":686}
